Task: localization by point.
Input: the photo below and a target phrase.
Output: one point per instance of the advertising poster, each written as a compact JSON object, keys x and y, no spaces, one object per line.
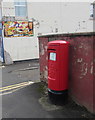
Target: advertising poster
{"x":18,"y":29}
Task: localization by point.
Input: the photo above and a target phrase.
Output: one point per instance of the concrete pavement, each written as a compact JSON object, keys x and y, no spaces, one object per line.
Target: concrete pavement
{"x":31,"y":100}
{"x":20,"y":72}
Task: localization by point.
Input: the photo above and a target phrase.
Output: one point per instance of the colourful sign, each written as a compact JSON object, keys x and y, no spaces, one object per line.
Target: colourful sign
{"x":18,"y":29}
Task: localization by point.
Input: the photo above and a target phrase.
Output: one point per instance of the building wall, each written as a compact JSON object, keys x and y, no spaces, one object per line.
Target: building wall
{"x":48,"y":17}
{"x":63,"y":16}
{"x":19,"y":48}
{"x":8,"y":9}
{"x":81,"y":63}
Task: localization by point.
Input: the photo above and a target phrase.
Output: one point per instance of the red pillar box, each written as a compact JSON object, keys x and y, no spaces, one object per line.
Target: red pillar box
{"x":58,"y":54}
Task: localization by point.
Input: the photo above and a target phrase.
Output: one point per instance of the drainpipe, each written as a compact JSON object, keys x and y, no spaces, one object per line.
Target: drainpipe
{"x":2,"y":36}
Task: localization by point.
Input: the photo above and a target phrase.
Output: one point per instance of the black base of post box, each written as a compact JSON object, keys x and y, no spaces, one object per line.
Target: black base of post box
{"x":58,"y":97}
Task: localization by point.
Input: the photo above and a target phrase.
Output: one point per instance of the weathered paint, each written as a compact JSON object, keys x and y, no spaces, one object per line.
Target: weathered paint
{"x":81,"y":79}
{"x":43,"y":61}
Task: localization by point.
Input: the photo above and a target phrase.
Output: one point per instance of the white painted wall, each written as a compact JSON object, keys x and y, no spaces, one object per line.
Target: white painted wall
{"x":8,"y":9}
{"x":66,"y":17}
{"x":21,"y":48}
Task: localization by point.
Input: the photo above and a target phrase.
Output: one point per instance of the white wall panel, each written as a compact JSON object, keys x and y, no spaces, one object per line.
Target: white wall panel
{"x":21,"y":48}
{"x":66,"y":17}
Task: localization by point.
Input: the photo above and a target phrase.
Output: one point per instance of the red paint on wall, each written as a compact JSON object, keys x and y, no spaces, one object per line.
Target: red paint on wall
{"x":43,"y":61}
{"x":81,"y":74}
{"x":81,"y":63}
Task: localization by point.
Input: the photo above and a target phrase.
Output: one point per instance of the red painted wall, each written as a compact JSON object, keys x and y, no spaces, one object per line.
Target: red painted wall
{"x":43,"y":58}
{"x":81,"y":62}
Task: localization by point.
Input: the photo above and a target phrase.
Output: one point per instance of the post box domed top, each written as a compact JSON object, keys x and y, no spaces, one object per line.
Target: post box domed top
{"x":58,"y":42}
